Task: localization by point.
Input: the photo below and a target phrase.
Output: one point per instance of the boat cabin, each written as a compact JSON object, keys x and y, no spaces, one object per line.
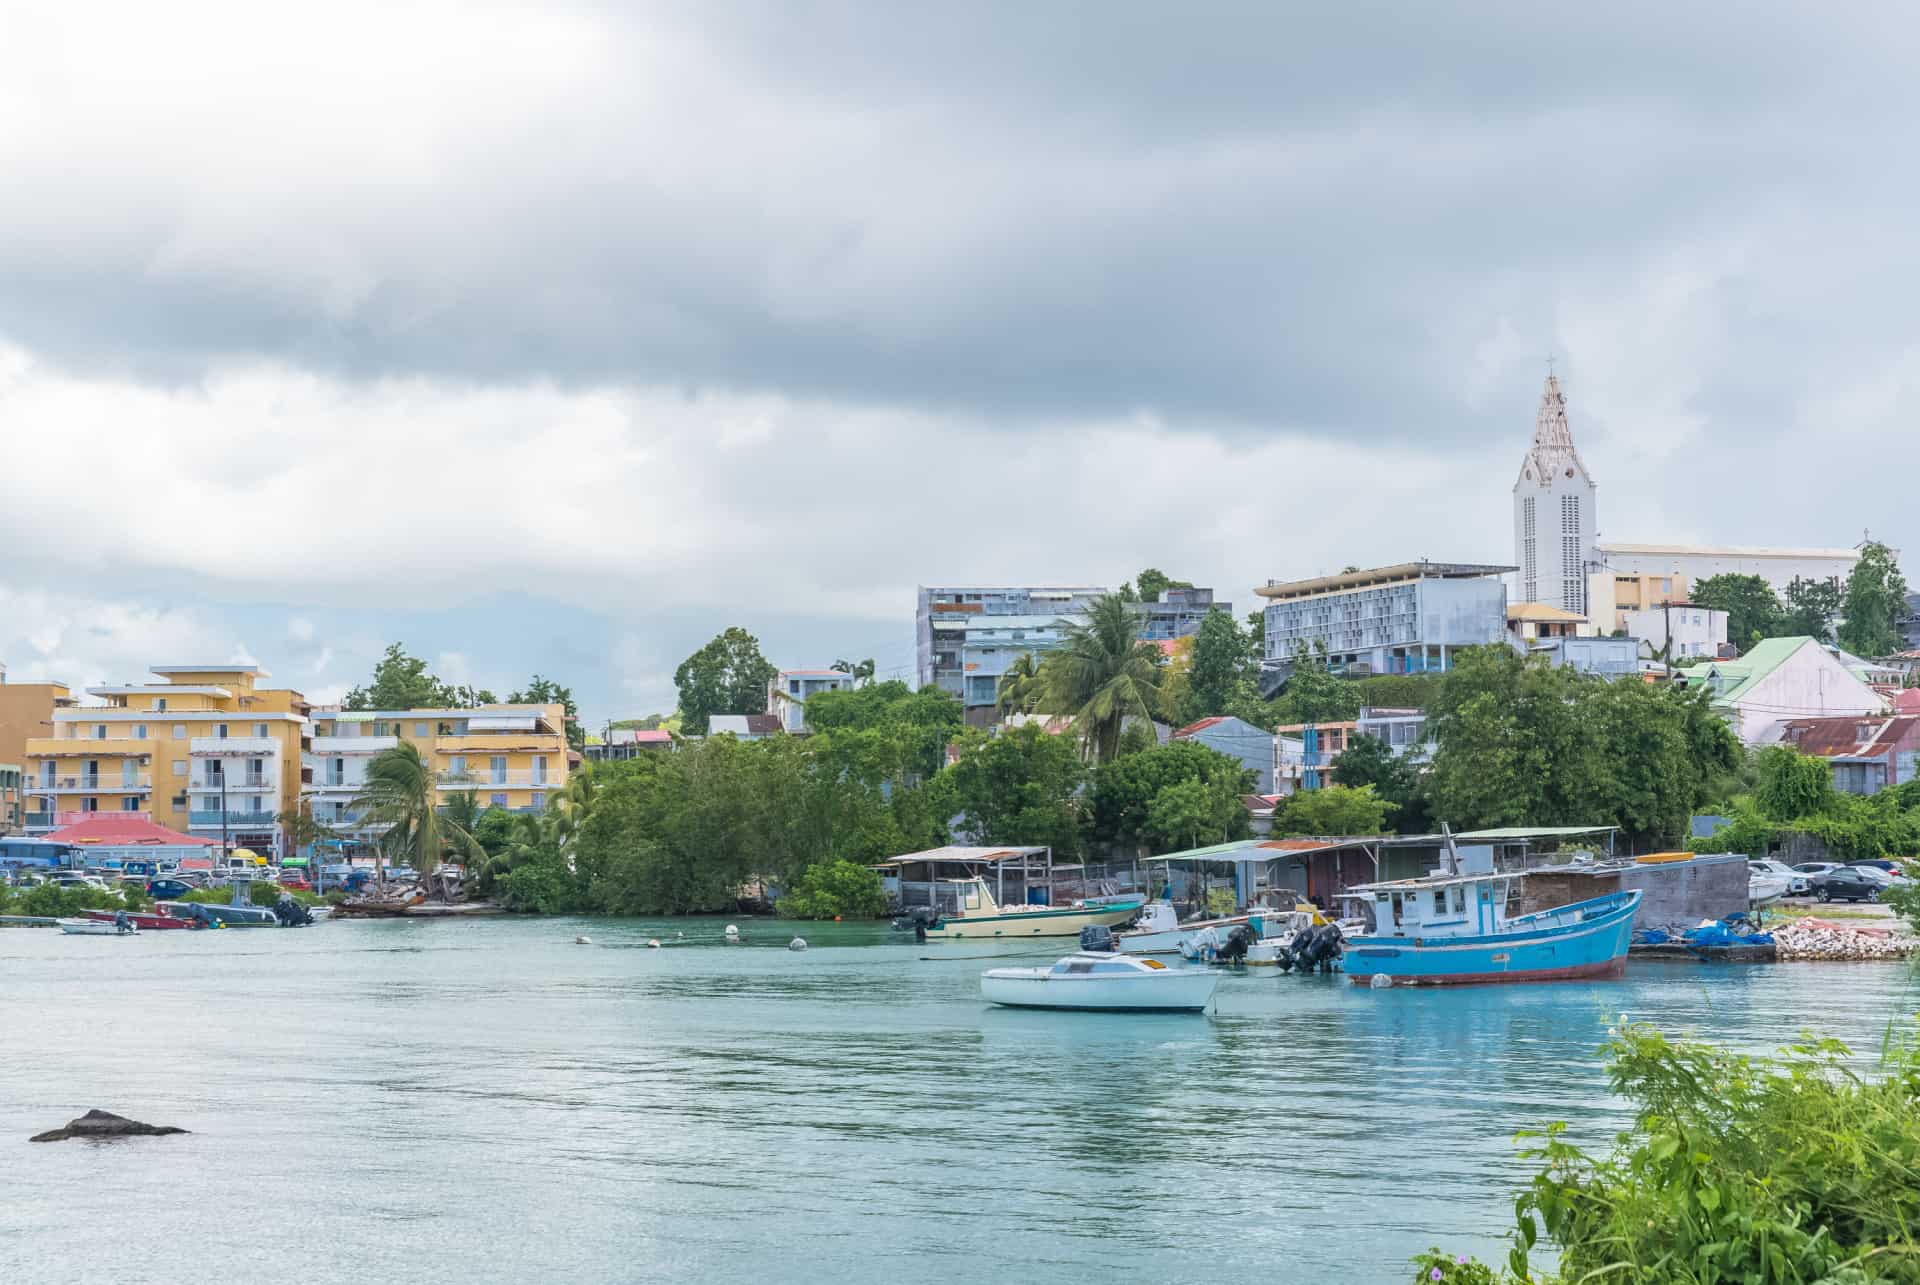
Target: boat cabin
{"x":1476,"y":905}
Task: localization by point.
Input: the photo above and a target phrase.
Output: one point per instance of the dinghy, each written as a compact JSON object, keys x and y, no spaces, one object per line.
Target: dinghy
{"x":97,"y":928}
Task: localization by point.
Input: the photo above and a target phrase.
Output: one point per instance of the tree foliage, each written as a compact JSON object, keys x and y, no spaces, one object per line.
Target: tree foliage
{"x":1811,"y":607}
{"x":400,"y":793}
{"x":832,"y":890}
{"x":1519,"y":741}
{"x":1220,"y":670}
{"x":1019,"y":787}
{"x":1208,"y":803}
{"x":544,"y":691}
{"x":1874,"y":603}
{"x":727,"y":676}
{"x":1370,"y":761}
{"x":1103,"y":674}
{"x":1315,"y":694}
{"x":1753,"y":609}
{"x":401,"y":681}
{"x":1333,"y":810}
{"x":1792,"y":785}
{"x":1153,"y":582}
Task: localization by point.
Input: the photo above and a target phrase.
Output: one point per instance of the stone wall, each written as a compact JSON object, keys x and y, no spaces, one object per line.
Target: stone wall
{"x":1673,"y":892}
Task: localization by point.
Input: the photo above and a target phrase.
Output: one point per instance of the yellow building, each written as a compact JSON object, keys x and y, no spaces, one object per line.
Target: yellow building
{"x":1612,"y":594}
{"x":26,"y":711}
{"x":205,"y":752}
{"x":507,"y":756}
{"x":1530,"y":622}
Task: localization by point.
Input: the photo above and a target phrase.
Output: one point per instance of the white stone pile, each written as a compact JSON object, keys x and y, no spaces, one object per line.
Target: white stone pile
{"x":1830,"y":939}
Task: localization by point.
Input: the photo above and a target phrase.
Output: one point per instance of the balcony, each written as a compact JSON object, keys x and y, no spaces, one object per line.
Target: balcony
{"x":324,"y":746}
{"x":234,"y":820}
{"x":233,"y":746}
{"x":481,"y":744}
{"x":41,"y":822}
{"x":102,"y":783}
{"x":238,"y":783}
{"x":487,"y":778}
{"x":77,"y":747}
{"x":345,"y":785}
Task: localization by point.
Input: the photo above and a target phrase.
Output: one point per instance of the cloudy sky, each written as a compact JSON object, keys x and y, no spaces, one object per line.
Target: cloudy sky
{"x":561,"y":336}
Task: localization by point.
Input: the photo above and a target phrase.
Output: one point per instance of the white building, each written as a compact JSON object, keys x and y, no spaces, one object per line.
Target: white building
{"x":1697,"y":631}
{"x":1779,"y":680}
{"x":1553,"y":512}
{"x":1778,"y":567}
{"x":791,"y":689}
{"x":1404,"y":619}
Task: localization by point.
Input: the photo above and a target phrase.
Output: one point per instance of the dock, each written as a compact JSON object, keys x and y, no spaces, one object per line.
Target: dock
{"x":1681,"y":952}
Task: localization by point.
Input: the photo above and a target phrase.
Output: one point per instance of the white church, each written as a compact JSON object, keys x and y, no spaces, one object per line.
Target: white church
{"x":1553,"y":512}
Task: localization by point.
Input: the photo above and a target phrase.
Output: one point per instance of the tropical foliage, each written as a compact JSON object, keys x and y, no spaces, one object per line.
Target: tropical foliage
{"x":401,"y":681}
{"x":833,"y":890}
{"x":727,"y":676}
{"x":544,"y":691}
{"x":1180,"y":795}
{"x":1333,"y":810}
{"x":1753,"y":608}
{"x":1874,"y":602}
{"x":1020,"y":787}
{"x":1793,"y":794}
{"x":1103,"y":674}
{"x":399,"y":793}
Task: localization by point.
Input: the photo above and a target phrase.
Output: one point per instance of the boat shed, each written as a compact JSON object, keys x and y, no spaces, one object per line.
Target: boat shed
{"x":1016,"y":875}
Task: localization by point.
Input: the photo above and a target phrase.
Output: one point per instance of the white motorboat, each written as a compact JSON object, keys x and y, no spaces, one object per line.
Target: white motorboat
{"x":97,"y":928}
{"x":1102,"y":981}
{"x":1764,"y":886}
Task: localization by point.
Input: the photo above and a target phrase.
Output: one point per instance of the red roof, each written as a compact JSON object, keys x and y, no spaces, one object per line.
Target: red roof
{"x":1866,"y":736}
{"x":1907,"y":701}
{"x":1200,"y":726}
{"x":106,"y":828}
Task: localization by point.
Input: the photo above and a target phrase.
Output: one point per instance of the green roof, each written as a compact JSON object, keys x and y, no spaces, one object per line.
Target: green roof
{"x":1738,"y":677}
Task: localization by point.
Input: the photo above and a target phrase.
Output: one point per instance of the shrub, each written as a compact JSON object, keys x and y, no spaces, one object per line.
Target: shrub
{"x":832,"y":889}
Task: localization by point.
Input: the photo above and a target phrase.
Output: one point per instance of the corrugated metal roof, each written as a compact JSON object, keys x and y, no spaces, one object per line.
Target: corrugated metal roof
{"x":1844,"y":736}
{"x":959,"y":853}
{"x":1535,"y":831}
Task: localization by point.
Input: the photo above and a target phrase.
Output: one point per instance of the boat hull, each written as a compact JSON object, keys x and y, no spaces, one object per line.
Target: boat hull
{"x":140,"y":920}
{"x":94,"y":928}
{"x":1032,"y":923}
{"x":1172,"y":991}
{"x":1592,"y":943}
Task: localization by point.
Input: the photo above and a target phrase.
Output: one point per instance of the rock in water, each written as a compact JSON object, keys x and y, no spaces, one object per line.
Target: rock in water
{"x":103,"y":1125}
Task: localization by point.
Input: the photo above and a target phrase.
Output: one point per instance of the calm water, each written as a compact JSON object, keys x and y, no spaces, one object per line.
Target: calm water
{"x":488,"y":1101}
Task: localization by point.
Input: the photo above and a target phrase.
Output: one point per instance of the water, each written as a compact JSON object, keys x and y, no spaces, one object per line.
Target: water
{"x":486,"y":1101}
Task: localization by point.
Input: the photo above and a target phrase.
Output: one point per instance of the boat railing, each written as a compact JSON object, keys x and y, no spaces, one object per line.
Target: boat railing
{"x":1577,"y":912}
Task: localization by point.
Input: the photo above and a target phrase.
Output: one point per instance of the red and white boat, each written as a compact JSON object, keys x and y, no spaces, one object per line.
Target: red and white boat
{"x":140,"y":919}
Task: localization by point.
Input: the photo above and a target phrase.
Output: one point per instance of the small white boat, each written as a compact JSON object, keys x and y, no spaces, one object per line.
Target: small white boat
{"x":1764,"y":886}
{"x":97,"y":928}
{"x":1102,"y":981}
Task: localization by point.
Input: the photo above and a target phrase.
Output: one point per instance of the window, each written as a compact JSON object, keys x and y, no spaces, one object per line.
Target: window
{"x":139,"y":731}
{"x":179,"y":801}
{"x":497,"y":800}
{"x":90,"y":805}
{"x":160,"y":704}
{"x":179,"y":767}
{"x":130,"y":804}
{"x":539,"y":769}
{"x":419,"y":729}
{"x":336,"y":771}
{"x":220,"y":731}
{"x":499,"y":765}
{"x":379,"y":729}
{"x":1459,"y":900}
{"x":179,"y":731}
{"x":99,"y":731}
{"x":457,"y":765}
{"x":539,"y":799}
{"x":260,"y":730}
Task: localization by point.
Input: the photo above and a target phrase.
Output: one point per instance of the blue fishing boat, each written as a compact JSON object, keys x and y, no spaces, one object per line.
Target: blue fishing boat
{"x":1454,"y":928}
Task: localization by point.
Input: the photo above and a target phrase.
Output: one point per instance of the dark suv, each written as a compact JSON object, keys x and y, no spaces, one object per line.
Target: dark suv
{"x":1844,"y":885}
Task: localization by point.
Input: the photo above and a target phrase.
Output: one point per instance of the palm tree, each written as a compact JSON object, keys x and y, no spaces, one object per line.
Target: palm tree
{"x":1102,"y":673}
{"x":1020,"y":686}
{"x":400,"y":793}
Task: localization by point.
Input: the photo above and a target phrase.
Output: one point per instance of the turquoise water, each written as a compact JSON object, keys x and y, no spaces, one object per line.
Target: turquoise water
{"x":486,"y":1101}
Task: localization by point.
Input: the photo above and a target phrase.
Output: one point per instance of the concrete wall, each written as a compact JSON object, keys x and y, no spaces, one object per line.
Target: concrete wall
{"x":1674,"y":892}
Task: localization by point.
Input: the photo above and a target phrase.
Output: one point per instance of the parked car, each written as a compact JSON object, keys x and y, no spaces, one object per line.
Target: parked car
{"x":1881,"y":864}
{"x":1845,"y":884}
{"x":1796,"y":880}
{"x":1816,"y":867}
{"x":295,"y":882}
{"x":168,"y":889}
{"x":1880,"y":877}
{"x":80,"y":881}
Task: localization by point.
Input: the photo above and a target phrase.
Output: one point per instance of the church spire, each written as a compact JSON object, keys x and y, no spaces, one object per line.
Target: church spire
{"x":1553,"y":453}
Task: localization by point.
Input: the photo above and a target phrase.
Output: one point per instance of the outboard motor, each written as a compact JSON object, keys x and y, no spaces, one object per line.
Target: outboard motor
{"x":1234,"y":949}
{"x":1096,"y":937}
{"x":291,"y":913}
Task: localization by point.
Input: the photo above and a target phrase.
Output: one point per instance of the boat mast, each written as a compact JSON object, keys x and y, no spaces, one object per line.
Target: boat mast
{"x":1453,"y":853}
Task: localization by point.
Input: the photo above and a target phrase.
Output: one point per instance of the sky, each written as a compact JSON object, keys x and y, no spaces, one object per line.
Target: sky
{"x":557,"y":338}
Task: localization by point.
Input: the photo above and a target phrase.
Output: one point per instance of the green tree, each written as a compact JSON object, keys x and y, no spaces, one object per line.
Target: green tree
{"x":1753,"y":609}
{"x":1019,"y":788}
{"x":1519,"y":741}
{"x":1183,"y":815}
{"x":1370,"y":761}
{"x":886,"y":731}
{"x":1874,"y":603}
{"x":861,"y":671}
{"x":832,"y":890}
{"x":1102,"y":673}
{"x":1333,"y":811}
{"x":544,"y":691}
{"x":1020,"y":688}
{"x":1153,"y":582}
{"x":401,"y":681}
{"x":1811,"y":607}
{"x":1221,"y":673}
{"x":1792,"y":785}
{"x":1315,"y":694}
{"x":1125,"y":791}
{"x":727,"y":676}
{"x":399,"y":793}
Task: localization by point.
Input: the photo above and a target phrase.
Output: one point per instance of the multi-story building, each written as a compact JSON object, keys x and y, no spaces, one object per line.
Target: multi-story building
{"x":1696,"y":631}
{"x":623,"y":743}
{"x":1617,"y":595}
{"x":791,"y":689}
{"x":207,"y":752}
{"x":1779,"y":680}
{"x":26,"y":711}
{"x":507,"y":756}
{"x":1689,"y":564}
{"x":9,"y":797}
{"x":966,"y":637}
{"x":1403,"y":619}
{"x":1531,"y":622}
{"x":1554,"y":511}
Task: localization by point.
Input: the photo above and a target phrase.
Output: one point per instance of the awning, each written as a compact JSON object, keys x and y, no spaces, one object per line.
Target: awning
{"x":1536,"y":832}
{"x":954,"y":853}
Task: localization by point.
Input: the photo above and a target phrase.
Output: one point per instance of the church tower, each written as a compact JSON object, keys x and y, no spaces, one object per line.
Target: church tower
{"x":1553,"y":511}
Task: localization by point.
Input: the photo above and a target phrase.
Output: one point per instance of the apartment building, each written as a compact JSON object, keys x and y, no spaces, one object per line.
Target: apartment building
{"x":26,"y":711}
{"x":206,"y":751}
{"x":508,"y":756}
{"x":791,"y":689}
{"x":1404,"y":619}
{"x":9,"y":797}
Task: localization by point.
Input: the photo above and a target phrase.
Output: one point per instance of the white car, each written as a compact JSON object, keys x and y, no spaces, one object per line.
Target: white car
{"x":1812,"y":868}
{"x":1798,"y":881}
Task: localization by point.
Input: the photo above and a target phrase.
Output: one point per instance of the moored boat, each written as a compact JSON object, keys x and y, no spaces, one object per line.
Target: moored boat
{"x":226,"y":916}
{"x":1455,"y":930}
{"x":980,"y":916}
{"x":140,"y":918}
{"x":97,"y":928}
{"x":1096,"y":980}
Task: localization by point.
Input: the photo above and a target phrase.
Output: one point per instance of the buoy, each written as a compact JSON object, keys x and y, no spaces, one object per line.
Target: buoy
{"x":836,"y":919}
{"x":1381,"y":982}
{"x":733,"y":933}
{"x":583,"y":941}
{"x":653,"y":943}
{"x":798,"y":943}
